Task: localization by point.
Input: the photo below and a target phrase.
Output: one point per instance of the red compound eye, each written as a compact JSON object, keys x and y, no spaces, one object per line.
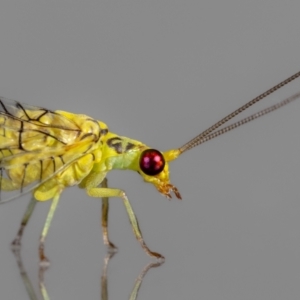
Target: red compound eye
{"x":152,"y":162}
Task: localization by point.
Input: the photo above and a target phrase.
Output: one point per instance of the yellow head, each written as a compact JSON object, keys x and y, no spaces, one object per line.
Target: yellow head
{"x":128,"y":154}
{"x":154,"y":168}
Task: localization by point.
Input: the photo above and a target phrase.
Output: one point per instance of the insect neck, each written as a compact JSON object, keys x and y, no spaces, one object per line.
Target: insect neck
{"x":120,"y":152}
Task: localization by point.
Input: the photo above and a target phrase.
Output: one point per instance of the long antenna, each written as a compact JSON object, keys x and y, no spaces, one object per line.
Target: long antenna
{"x":247,"y":119}
{"x":199,"y":139}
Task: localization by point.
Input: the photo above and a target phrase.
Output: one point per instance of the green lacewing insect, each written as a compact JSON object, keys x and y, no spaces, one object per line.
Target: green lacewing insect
{"x":45,"y":151}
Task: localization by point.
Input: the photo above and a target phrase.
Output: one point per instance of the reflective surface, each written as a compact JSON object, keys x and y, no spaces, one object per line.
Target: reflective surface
{"x":34,"y":295}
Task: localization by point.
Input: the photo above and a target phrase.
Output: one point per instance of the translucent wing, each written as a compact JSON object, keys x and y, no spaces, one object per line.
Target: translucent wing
{"x":36,"y":144}
{"x":28,"y":128}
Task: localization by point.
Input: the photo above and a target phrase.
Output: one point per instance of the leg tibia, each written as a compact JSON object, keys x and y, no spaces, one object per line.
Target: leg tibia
{"x":109,"y":192}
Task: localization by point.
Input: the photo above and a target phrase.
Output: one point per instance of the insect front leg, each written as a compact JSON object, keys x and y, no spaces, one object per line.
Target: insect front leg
{"x":16,"y":243}
{"x":109,"y":192}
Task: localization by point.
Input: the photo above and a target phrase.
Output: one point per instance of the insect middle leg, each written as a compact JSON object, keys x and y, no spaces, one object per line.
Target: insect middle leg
{"x":16,"y":243}
{"x":109,"y":192}
{"x":104,"y":220}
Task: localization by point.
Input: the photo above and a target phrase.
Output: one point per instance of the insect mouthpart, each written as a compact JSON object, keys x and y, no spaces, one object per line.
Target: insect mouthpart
{"x":167,"y":189}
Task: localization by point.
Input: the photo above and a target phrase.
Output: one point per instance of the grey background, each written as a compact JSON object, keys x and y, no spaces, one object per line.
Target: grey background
{"x":161,"y":72}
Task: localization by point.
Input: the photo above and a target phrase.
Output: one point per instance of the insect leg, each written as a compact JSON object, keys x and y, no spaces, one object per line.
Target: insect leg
{"x":43,"y":259}
{"x":108,"y":192}
{"x":104,"y":289}
{"x":42,"y":285}
{"x":16,"y":243}
{"x":104,"y":220}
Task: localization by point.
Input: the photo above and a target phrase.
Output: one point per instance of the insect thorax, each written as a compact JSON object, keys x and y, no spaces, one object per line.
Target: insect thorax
{"x":59,"y":149}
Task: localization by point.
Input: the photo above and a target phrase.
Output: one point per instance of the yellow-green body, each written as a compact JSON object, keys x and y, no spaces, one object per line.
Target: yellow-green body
{"x":59,"y":149}
{"x":46,"y":151}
